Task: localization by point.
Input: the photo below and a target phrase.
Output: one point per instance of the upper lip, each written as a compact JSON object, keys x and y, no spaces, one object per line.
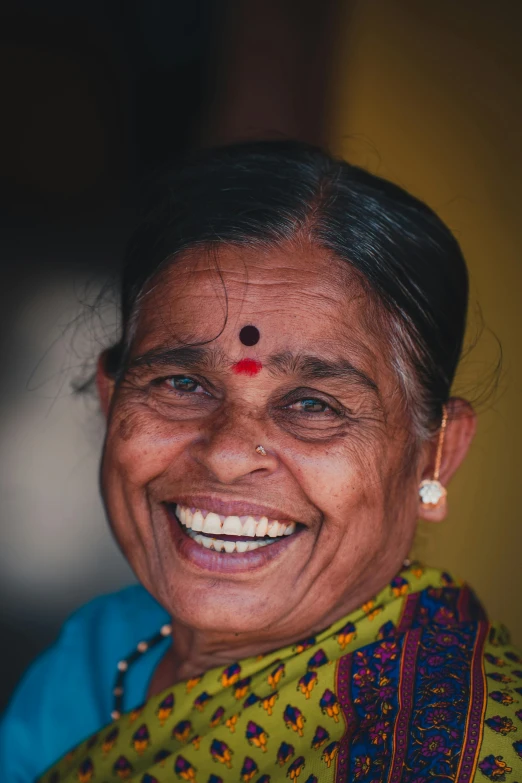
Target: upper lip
{"x":230,"y":507}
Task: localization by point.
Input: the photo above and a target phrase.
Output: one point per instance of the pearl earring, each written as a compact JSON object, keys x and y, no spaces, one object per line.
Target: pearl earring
{"x":431,"y":491}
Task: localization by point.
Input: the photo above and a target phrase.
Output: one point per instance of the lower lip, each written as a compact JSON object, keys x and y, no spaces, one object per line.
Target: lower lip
{"x":224,"y":562}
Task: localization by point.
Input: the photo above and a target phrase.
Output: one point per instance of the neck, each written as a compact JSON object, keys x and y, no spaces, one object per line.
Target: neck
{"x":193,"y":652}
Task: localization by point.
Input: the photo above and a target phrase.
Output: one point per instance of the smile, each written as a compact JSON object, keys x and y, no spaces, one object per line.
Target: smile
{"x":231,"y":534}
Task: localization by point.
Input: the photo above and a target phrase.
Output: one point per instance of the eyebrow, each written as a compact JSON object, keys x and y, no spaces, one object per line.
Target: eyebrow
{"x":306,"y":366}
{"x":315,"y":368}
{"x":187,"y":357}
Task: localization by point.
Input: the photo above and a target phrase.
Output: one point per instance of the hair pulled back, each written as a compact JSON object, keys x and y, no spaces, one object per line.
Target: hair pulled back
{"x":265,"y":192}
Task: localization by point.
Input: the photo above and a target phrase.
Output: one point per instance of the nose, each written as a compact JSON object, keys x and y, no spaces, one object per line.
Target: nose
{"x":227,"y":450}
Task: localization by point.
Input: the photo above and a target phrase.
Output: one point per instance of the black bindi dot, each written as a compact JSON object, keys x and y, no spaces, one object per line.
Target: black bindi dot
{"x":249,"y":335}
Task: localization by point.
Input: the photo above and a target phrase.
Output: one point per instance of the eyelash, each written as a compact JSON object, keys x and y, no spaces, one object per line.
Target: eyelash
{"x":327,"y":406}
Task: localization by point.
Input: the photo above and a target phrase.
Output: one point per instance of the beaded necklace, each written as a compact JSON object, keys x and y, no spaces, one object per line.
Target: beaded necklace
{"x":123,"y":665}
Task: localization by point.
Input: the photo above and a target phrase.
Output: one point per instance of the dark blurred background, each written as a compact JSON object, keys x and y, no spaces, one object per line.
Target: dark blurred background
{"x":95,"y":94}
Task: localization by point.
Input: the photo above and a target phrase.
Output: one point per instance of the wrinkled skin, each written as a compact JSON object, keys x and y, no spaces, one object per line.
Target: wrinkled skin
{"x":341,"y":466}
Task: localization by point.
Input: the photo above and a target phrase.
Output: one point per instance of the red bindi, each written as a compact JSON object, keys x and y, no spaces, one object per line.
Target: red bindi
{"x":247,"y":367}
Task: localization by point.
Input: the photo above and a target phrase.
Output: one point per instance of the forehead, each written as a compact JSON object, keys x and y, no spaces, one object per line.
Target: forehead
{"x":299,"y":294}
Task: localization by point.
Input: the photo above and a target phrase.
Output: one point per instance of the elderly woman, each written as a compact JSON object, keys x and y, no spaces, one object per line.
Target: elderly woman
{"x":278,"y":419}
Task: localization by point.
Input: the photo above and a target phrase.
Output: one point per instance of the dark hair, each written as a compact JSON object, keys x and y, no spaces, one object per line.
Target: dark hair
{"x":267,"y":192}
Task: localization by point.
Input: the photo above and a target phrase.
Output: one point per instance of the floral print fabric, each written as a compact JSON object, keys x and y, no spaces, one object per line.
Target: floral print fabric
{"x":413,"y":687}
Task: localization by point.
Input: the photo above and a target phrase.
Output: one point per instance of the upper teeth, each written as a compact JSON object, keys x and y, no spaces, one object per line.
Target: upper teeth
{"x":217,"y":524}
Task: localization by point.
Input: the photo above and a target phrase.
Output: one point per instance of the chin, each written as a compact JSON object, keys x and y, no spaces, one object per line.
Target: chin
{"x":222,"y":609}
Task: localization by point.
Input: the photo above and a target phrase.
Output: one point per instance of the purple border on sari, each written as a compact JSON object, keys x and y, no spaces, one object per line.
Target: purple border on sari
{"x":438,"y":711}
{"x":343,"y":690}
{"x":406,"y":695}
{"x":408,"y":613}
{"x":477,"y":705}
{"x":463,"y":609}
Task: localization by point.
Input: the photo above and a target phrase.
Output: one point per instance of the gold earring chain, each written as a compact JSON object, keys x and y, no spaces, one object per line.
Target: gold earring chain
{"x":438,"y":458}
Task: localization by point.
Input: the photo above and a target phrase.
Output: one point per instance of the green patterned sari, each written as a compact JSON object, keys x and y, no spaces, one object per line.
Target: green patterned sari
{"x":415,"y":686}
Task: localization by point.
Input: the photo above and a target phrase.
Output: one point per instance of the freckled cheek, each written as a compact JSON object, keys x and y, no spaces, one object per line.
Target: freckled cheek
{"x":348,"y":493}
{"x":333,"y":479}
{"x":140,"y":452}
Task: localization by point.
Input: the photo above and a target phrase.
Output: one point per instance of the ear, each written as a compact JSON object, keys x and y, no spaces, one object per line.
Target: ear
{"x":460,"y":431}
{"x":105,"y":385}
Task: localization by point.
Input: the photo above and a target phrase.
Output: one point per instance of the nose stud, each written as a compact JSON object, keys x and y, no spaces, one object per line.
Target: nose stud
{"x":261,"y":450}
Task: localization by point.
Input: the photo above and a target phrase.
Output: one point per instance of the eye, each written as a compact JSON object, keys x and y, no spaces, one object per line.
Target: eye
{"x":182,"y":383}
{"x":311,"y":405}
{"x":182,"y":397}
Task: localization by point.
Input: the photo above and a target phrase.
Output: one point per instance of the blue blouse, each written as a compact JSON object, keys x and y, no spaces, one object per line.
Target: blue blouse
{"x":66,"y":695}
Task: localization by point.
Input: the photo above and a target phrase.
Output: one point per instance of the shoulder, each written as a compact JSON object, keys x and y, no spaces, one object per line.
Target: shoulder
{"x":66,"y":693}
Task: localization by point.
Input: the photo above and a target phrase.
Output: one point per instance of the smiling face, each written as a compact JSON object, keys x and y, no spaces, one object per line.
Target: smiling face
{"x":327,"y":513}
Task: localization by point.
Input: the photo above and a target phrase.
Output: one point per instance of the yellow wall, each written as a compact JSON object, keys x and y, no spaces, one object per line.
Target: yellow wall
{"x":429,"y":94}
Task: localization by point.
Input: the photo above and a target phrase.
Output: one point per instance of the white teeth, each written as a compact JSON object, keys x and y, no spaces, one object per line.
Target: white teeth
{"x":249,"y":527}
{"x":212,"y":524}
{"x":273,"y":529}
{"x":202,"y":526}
{"x":262,"y":527}
{"x":229,"y":547}
{"x":197,"y":520}
{"x":232,"y":526}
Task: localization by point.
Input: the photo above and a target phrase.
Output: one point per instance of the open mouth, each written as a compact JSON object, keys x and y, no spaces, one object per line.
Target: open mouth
{"x":231,"y":534}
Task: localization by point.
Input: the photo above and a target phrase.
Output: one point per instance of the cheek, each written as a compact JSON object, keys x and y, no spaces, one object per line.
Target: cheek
{"x":140,"y":446}
{"x":345,"y":477}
